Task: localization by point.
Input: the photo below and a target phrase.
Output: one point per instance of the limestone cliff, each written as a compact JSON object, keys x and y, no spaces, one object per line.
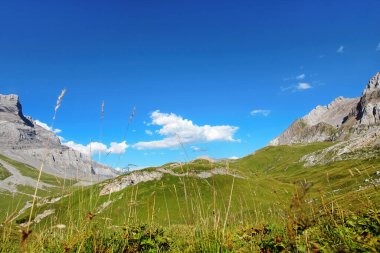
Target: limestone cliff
{"x":342,"y":119}
{"x":23,"y":140}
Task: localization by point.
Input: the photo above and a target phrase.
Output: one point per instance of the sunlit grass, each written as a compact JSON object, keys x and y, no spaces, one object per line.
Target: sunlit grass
{"x":277,"y":204}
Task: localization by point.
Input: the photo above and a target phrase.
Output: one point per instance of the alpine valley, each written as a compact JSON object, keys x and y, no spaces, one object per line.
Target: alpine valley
{"x":314,"y":188}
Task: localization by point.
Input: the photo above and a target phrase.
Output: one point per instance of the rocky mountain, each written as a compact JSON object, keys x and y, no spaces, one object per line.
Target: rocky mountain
{"x":342,"y":120}
{"x":23,"y":140}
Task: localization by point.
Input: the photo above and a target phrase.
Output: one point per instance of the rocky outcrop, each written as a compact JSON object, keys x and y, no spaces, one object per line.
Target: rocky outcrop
{"x":134,"y":178}
{"x":332,"y":114}
{"x":368,"y":109}
{"x":363,"y":147}
{"x":23,"y":140}
{"x":11,"y":110}
{"x":301,"y":132}
{"x":343,"y":119}
{"x":18,"y":131}
{"x":138,"y":177}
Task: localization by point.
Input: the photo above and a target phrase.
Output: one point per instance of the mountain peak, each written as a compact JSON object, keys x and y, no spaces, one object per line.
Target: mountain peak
{"x":10,"y":103}
{"x":368,"y":109}
{"x":332,"y":113}
{"x":23,"y":140}
{"x":373,"y":84}
{"x":341,"y":119}
{"x":11,"y":110}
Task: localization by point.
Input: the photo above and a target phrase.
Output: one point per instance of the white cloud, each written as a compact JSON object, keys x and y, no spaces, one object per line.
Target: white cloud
{"x":45,"y":126}
{"x":301,"y":77}
{"x":340,"y":49}
{"x":378,"y":47}
{"x":78,"y":147}
{"x":148,"y":132}
{"x":198,"y":149}
{"x":303,"y":86}
{"x":57,"y":131}
{"x":97,"y":147}
{"x":117,"y":148}
{"x":260,"y":112}
{"x":233,"y":158}
{"x":177,"y":130}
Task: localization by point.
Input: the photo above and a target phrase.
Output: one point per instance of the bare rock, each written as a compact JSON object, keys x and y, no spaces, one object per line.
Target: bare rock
{"x":368,"y":109}
{"x":23,"y":140}
{"x":332,"y":114}
{"x":343,"y":119}
{"x":134,"y":178}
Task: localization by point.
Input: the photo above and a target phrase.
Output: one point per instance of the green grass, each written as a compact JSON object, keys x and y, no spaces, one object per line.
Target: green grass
{"x":278,"y":205}
{"x":271,"y":176}
{"x":29,"y":171}
{"x":11,"y":203}
{"x":46,"y":192}
{"x":4,"y":173}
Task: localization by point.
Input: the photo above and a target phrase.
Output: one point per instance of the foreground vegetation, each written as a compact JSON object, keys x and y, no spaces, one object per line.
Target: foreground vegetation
{"x":272,"y":204}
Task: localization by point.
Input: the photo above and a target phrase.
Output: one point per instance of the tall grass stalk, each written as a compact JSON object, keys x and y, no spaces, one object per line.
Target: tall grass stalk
{"x":131,"y":117}
{"x":166,"y":203}
{"x":229,"y":204}
{"x":58,"y":104}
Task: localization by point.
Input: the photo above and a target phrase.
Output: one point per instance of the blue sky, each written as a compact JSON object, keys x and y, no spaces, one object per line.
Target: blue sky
{"x":222,"y":77}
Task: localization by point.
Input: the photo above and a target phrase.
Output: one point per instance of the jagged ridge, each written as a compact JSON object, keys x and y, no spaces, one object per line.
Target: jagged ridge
{"x":343,"y":119}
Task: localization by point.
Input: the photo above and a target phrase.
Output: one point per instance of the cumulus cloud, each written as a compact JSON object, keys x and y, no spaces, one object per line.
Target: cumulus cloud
{"x":256,"y":112}
{"x":45,"y":126}
{"x":177,"y":130}
{"x":97,"y":147}
{"x":378,"y":47}
{"x":117,"y":148}
{"x":303,"y":86}
{"x":340,"y":49}
{"x":233,"y":158}
{"x":301,"y":77}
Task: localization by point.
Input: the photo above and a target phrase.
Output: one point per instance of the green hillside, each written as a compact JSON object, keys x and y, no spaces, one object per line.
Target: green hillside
{"x":259,"y":197}
{"x":13,"y":202}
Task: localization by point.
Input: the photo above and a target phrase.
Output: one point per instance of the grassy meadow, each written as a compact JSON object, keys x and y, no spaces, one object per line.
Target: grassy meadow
{"x":269,"y":202}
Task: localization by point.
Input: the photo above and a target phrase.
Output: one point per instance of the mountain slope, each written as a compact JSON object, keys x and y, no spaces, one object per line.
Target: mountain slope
{"x":257,"y":188}
{"x":343,"y":119}
{"x":290,"y":188}
{"x":23,"y":140}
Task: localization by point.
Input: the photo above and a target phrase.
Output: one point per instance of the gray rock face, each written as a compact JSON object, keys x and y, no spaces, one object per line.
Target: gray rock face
{"x":301,"y":132}
{"x":18,"y":131}
{"x":342,"y":119}
{"x":11,"y":110}
{"x":137,"y":177}
{"x":131,"y":179}
{"x":23,"y":140}
{"x":362,"y":147}
{"x":333,"y":113}
{"x":368,"y":109}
